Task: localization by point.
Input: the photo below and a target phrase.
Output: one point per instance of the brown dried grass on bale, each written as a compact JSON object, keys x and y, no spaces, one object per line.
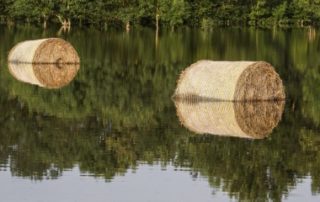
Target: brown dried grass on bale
{"x":240,"y":119}
{"x":44,"y":51}
{"x":230,"y":81}
{"x":44,"y":75}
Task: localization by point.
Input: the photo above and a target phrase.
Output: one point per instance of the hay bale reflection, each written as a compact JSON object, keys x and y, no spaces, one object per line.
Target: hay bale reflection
{"x":241,"y":119}
{"x":44,"y":75}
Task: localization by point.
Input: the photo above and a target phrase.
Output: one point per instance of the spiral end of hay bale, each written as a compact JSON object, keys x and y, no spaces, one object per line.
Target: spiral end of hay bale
{"x":259,"y":81}
{"x":55,"y":75}
{"x":230,"y":81}
{"x":44,"y":51}
{"x":254,"y":120}
{"x":56,"y":51}
{"x":50,"y":76}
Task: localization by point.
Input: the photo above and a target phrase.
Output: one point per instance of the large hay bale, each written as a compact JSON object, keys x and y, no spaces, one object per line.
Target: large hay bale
{"x":44,"y":51}
{"x":44,"y":75}
{"x":240,"y":119}
{"x":230,"y":81}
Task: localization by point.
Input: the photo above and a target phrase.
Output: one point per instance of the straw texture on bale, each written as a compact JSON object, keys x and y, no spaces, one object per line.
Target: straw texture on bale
{"x":44,"y":75}
{"x":253,"y":120}
{"x":230,"y":81}
{"x":44,"y":51}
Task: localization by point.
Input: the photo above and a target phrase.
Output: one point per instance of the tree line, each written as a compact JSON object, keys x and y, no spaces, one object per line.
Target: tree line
{"x":155,"y":13}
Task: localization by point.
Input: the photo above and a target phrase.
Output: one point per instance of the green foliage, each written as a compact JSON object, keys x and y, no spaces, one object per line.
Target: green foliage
{"x":171,"y":12}
{"x":280,"y":11}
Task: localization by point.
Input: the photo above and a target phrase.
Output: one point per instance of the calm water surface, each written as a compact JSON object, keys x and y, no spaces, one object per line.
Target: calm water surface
{"x":113,"y":133}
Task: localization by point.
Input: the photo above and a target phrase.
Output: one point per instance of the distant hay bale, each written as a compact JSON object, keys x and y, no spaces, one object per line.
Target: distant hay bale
{"x":44,"y":75}
{"x":239,"y":119}
{"x":230,"y":81}
{"x":44,"y":51}
{"x":49,"y":63}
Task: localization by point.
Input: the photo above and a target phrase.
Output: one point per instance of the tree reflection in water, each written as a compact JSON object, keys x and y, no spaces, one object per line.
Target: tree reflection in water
{"x":118,"y":113}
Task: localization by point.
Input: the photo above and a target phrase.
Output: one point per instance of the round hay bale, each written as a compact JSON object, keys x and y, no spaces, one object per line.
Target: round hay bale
{"x":44,"y":75}
{"x":240,"y":119}
{"x":230,"y":81}
{"x":44,"y":51}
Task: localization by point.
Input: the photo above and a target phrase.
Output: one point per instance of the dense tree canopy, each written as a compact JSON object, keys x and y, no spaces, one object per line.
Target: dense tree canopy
{"x":200,"y":13}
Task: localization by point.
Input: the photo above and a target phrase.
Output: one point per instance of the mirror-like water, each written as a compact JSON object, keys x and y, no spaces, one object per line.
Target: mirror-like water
{"x":113,"y":132}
